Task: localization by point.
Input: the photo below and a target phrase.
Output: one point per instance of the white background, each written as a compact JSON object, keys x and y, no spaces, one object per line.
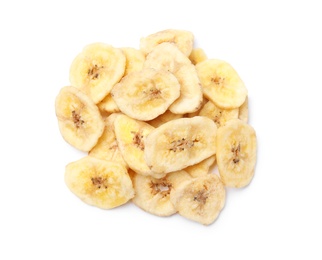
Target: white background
{"x":276,"y":48}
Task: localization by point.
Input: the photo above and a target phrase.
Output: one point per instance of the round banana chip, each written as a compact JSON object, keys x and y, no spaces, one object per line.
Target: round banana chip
{"x":146,"y":94}
{"x":99,"y":183}
{"x":236,"y":153}
{"x":79,"y":120}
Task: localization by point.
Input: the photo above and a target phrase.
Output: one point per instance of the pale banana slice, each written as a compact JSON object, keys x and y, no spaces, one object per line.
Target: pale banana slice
{"x":146,"y":94}
{"x":218,"y":115}
{"x":168,"y":57}
{"x":181,"y":38}
{"x":165,"y":117}
{"x":180,"y":143}
{"x":108,"y":106}
{"x":202,"y":168}
{"x":97,"y":69}
{"x":153,"y":195}
{"x":99,"y":183}
{"x":243,"y":111}
{"x":236,"y":153}
{"x":79,"y":119}
{"x":221,"y":84}
{"x":107,"y":148}
{"x":131,"y":135}
{"x":196,"y":113}
{"x":197,"y":55}
{"x":200,"y":199}
{"x":134,"y":60}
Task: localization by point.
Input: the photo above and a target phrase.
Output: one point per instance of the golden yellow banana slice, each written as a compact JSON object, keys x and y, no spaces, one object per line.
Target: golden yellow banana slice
{"x":236,"y":153}
{"x":219,"y":115}
{"x":153,"y":195}
{"x":180,"y":143}
{"x":134,"y":60}
{"x":108,"y":106}
{"x":200,"y":199}
{"x":243,"y":111}
{"x":202,"y":168}
{"x":79,"y":120}
{"x":146,"y":94}
{"x":181,"y":38}
{"x":197,"y":55}
{"x":99,"y":183}
{"x":97,"y":69}
{"x":221,"y":84}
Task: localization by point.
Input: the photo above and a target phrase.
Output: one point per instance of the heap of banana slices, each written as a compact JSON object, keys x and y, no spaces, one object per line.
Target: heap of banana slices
{"x":156,"y":123}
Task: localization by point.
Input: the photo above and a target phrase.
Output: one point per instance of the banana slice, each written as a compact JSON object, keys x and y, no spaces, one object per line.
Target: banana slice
{"x":153,"y":195}
{"x":180,"y":143}
{"x":243,"y":111}
{"x":168,"y":57}
{"x":108,"y":106}
{"x":97,"y":69}
{"x":131,"y":135}
{"x":236,"y":153}
{"x":146,"y":94}
{"x":165,"y":117}
{"x":218,"y":115}
{"x":202,"y":168}
{"x":200,"y":199}
{"x":197,"y":55}
{"x":134,"y":60}
{"x":79,"y":119}
{"x":99,"y":183}
{"x":221,"y":83}
{"x":181,"y":38}
{"x":196,"y":113}
{"x":107,"y":148}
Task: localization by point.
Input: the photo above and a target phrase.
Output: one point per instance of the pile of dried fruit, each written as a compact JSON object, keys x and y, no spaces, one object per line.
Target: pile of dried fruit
{"x":154,"y":122}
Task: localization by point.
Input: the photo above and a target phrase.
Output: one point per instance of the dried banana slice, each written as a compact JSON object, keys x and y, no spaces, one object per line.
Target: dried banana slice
{"x":153,"y":195}
{"x":168,"y":57}
{"x":181,"y":38}
{"x":99,"y":183}
{"x":202,"y":168}
{"x":131,"y":136}
{"x":146,"y":94}
{"x":200,"y":199}
{"x":221,"y":84}
{"x":97,"y":69}
{"x":236,"y":153}
{"x":165,"y":117}
{"x":134,"y":60}
{"x":197,"y":55}
{"x":79,"y":120}
{"x":219,"y":115}
{"x":180,"y":143}
{"x":107,"y":148}
{"x":108,"y":106}
{"x":243,"y":111}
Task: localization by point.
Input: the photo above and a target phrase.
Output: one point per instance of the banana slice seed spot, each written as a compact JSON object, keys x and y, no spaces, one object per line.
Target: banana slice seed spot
{"x":218,"y":80}
{"x":138,"y":140}
{"x":236,"y":151}
{"x":162,"y":187}
{"x":77,"y":119}
{"x":99,"y":182}
{"x":94,"y":71}
{"x":181,"y":144}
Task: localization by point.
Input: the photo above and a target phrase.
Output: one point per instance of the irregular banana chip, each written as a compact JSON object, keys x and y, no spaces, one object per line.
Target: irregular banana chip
{"x":134,"y":60}
{"x":181,"y":38}
{"x":218,"y":115}
{"x":107,"y":148}
{"x":200,"y":199}
{"x":180,"y":143}
{"x":236,"y":153}
{"x":153,"y":195}
{"x":131,"y":137}
{"x":108,"y":106}
{"x":146,"y":94}
{"x":197,"y":55}
{"x":221,"y":84}
{"x":99,"y":183}
{"x":97,"y":69}
{"x":202,"y":168}
{"x":165,"y":117}
{"x":243,"y":111}
{"x":168,"y":57}
{"x":79,"y":119}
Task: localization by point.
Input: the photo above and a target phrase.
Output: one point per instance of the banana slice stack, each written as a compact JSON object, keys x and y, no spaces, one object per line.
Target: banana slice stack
{"x":162,"y":126}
